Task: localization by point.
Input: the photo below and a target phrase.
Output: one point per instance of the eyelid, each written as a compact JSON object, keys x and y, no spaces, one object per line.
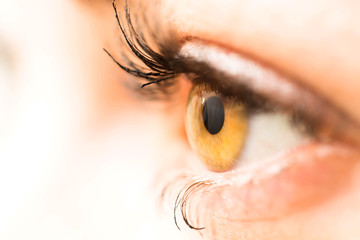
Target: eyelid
{"x":233,"y":71}
{"x":230,"y":70}
{"x":238,"y":70}
{"x":291,"y":182}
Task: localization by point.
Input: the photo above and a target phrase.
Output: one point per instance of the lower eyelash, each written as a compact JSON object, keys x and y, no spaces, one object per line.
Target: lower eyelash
{"x":182,"y":200}
{"x":190,"y":186}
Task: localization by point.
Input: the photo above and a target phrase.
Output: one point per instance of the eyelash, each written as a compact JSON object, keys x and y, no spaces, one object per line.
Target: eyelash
{"x":159,"y":67}
{"x":164,"y":66}
{"x":161,"y":71}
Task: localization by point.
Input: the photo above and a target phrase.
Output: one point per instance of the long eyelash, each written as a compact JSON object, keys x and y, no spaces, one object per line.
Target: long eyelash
{"x":162,"y":67}
{"x":158,"y":66}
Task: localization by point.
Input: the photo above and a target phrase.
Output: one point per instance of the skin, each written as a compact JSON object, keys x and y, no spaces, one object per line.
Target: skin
{"x":318,"y":47}
{"x":295,"y":37}
{"x":72,"y":133}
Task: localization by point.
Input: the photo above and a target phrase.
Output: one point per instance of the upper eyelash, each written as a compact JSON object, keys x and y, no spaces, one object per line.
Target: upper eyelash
{"x":158,"y":65}
{"x":166,"y":64}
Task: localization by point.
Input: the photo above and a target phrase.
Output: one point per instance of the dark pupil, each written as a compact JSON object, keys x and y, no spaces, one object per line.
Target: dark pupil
{"x":213,"y":115}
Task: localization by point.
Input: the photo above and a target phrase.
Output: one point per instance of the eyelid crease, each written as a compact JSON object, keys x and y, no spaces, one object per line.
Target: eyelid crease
{"x":233,"y":73}
{"x":238,"y":70}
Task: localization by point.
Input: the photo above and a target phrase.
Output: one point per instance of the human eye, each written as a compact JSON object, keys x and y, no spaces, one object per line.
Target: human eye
{"x":284,"y":143}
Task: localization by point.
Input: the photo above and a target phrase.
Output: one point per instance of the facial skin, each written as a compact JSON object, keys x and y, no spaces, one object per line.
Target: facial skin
{"x":83,"y":153}
{"x":314,"y":42}
{"x":304,"y":39}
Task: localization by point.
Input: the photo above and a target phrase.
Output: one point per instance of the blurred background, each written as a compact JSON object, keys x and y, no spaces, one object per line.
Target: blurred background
{"x":72,"y":165}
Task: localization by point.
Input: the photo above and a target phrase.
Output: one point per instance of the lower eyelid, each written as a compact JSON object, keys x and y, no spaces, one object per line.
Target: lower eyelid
{"x":311,"y":174}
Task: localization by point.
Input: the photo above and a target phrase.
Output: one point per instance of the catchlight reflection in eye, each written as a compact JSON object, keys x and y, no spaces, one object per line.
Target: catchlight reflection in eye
{"x":216,"y":127}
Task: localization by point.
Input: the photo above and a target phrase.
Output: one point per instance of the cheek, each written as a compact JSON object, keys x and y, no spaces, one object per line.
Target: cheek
{"x":299,"y":200}
{"x":328,"y":221}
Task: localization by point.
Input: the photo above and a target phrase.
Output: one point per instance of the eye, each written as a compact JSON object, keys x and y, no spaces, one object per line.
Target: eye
{"x":216,"y":126}
{"x":225,"y":132}
{"x":224,"y":138}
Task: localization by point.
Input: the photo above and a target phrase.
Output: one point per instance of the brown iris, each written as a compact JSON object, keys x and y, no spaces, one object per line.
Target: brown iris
{"x":216,"y":127}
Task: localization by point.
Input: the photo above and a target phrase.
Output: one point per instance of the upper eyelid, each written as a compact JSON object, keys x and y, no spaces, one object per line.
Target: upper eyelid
{"x":236,"y":69}
{"x":174,"y":58}
{"x":233,"y":71}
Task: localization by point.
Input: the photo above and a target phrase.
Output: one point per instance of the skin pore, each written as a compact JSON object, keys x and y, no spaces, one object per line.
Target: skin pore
{"x":106,"y":147}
